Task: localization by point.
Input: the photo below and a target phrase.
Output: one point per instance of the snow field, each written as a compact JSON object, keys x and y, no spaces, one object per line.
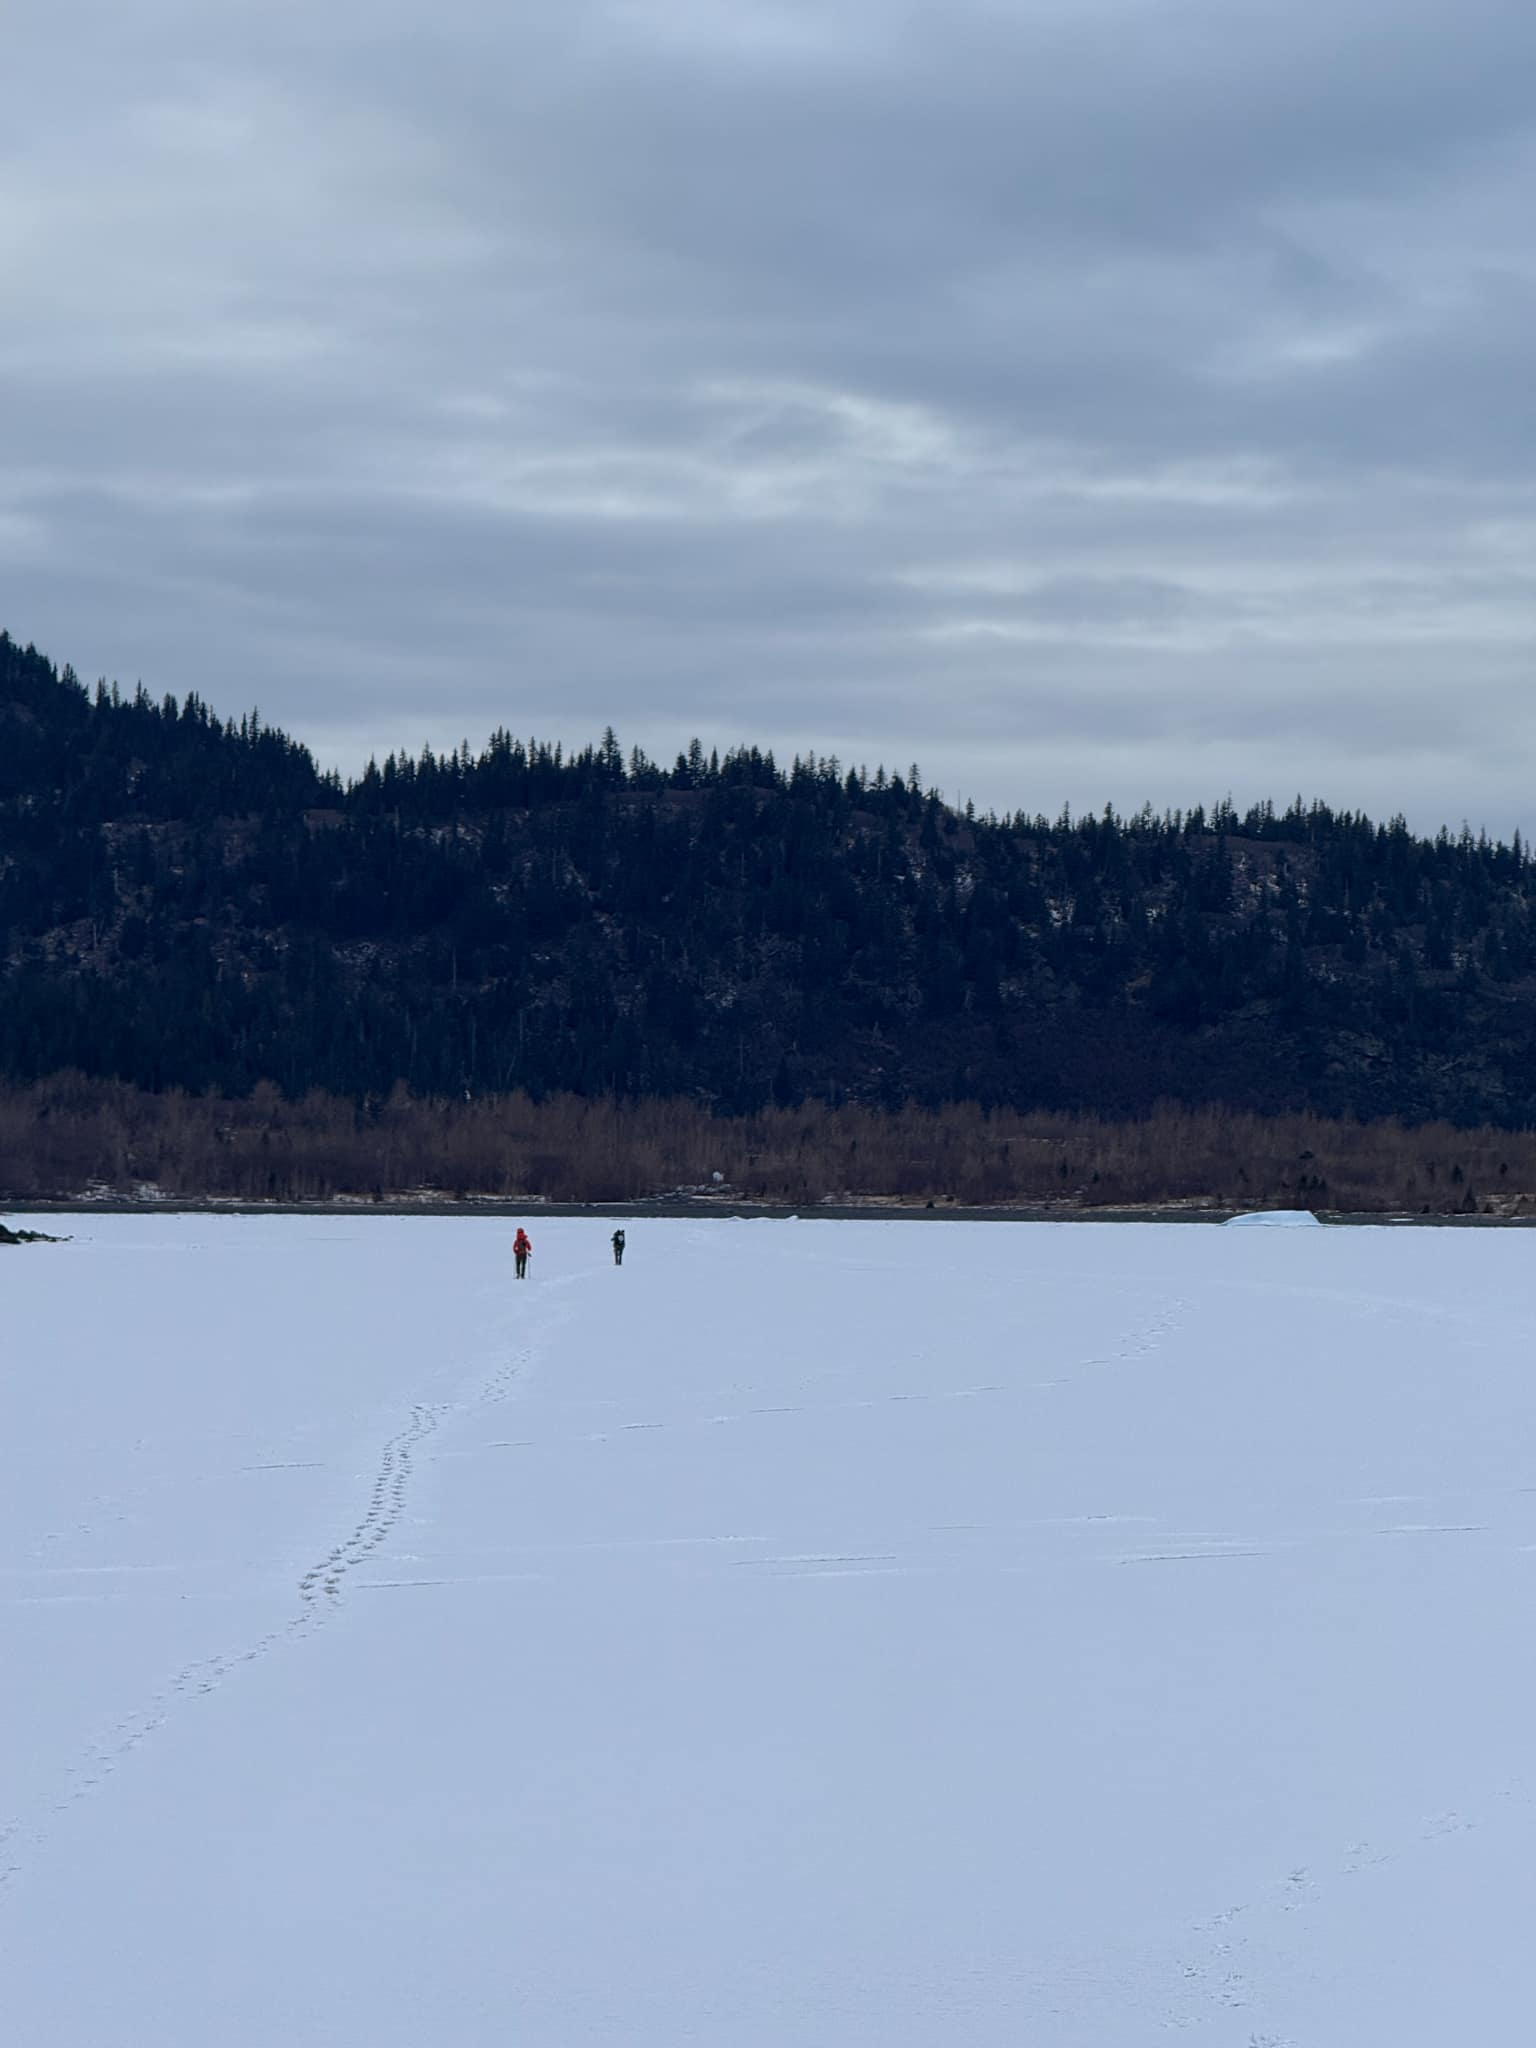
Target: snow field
{"x":830,"y":1633}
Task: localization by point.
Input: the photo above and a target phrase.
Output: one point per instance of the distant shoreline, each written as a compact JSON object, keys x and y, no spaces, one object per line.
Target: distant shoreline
{"x":74,"y":1140}
{"x":724,"y":1211}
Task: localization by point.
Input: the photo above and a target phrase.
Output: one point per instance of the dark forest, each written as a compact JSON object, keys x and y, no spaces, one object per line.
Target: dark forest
{"x":188,"y":903}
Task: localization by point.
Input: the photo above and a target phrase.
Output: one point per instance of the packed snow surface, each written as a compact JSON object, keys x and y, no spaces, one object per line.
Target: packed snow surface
{"x":833,"y":1633}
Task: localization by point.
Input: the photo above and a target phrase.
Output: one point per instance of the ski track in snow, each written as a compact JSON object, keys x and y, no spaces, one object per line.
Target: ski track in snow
{"x":1138,"y":1344}
{"x":325,"y":1581}
{"x":323,"y":1584}
{"x":1245,"y":1948}
{"x":320,"y":1591}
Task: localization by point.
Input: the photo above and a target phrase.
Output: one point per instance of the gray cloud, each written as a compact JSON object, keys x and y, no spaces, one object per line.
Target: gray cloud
{"x":1091,"y":399}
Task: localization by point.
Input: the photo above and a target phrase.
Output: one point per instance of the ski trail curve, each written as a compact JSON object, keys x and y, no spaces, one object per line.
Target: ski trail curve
{"x":322,"y":1585}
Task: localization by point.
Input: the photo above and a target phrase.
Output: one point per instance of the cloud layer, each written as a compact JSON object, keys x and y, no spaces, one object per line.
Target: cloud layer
{"x":1090,"y":399}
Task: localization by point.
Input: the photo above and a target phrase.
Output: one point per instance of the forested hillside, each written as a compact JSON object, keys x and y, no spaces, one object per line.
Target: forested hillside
{"x":187,"y":902}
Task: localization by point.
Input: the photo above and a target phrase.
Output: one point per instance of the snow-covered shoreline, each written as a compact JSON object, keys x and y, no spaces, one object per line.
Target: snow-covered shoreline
{"x":663,"y":1209}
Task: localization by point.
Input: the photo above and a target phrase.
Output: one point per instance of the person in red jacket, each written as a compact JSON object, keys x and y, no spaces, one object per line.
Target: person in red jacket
{"x":522,"y":1245}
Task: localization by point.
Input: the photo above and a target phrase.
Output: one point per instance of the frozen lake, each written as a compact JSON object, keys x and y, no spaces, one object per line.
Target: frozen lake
{"x":1059,"y":1636}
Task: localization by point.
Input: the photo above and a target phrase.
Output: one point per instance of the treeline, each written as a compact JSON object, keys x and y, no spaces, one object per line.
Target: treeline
{"x":186,"y":902}
{"x":72,"y":1137}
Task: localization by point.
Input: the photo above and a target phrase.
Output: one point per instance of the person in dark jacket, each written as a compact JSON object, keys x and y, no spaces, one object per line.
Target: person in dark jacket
{"x":618,"y":1247}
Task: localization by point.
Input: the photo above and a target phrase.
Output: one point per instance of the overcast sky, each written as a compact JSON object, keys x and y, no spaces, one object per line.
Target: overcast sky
{"x":1089,"y":399}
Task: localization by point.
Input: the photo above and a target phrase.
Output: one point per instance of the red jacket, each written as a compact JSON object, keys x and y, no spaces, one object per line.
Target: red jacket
{"x":522,"y":1242}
